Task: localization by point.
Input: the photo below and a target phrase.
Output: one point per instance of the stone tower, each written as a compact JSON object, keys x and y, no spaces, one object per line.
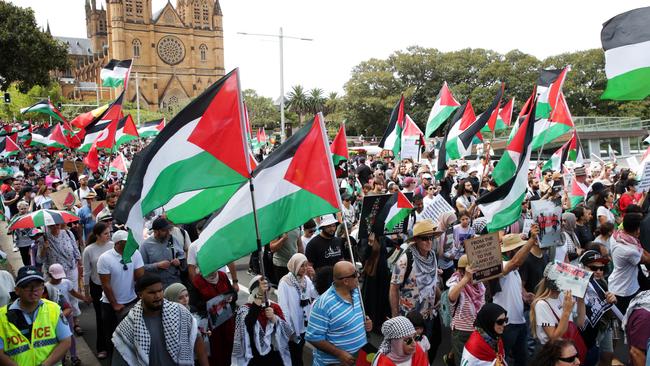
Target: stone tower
{"x":96,"y":28}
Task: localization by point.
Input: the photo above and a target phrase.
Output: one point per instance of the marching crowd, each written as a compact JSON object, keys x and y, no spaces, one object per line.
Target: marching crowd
{"x":412,"y":288}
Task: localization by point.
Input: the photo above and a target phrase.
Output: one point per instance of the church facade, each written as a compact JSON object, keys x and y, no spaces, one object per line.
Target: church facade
{"x":177,"y":51}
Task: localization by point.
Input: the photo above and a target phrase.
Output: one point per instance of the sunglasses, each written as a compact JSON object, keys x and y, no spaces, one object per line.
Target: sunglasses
{"x":597,"y":268}
{"x":353,"y":275}
{"x":502,"y":321}
{"x":409,"y":341}
{"x":568,"y":359}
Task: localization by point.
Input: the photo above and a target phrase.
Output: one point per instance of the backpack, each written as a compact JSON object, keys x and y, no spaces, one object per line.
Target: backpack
{"x":392,"y":261}
{"x":446,"y":311}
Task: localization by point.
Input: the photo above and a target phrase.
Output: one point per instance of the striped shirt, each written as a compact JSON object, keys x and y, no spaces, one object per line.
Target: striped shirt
{"x":337,"y":321}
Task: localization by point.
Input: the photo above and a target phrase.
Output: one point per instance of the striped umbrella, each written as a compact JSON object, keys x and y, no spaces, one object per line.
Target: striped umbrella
{"x":42,"y":218}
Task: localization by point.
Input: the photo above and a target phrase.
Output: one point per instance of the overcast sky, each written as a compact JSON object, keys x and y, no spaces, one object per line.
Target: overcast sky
{"x":348,"y":32}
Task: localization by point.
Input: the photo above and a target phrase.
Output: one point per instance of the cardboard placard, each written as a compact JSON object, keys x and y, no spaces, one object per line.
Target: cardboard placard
{"x":568,"y":277}
{"x":64,"y":198}
{"x":644,"y":183}
{"x":436,"y":208}
{"x":70,"y":166}
{"x":548,"y":214}
{"x":484,"y":254}
{"x":370,"y":209}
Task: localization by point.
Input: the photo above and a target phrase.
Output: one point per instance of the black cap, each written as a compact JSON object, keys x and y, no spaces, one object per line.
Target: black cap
{"x":28,"y":274}
{"x":147,"y":279}
{"x":160,"y":223}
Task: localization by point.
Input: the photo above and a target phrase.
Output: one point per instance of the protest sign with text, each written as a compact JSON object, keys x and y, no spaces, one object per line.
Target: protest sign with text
{"x":484,"y":255}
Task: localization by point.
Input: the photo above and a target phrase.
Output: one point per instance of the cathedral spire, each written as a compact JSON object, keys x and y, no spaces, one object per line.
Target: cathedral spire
{"x":47,"y":30}
{"x":217,"y":8}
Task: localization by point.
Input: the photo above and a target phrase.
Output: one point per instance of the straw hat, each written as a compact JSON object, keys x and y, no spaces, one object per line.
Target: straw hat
{"x":512,"y":242}
{"x":463,"y":262}
{"x":424,"y":228}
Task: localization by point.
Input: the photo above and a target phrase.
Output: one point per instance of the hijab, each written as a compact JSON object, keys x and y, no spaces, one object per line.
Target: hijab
{"x":485,"y":320}
{"x":394,"y":330}
{"x":569,"y":227}
{"x":292,"y":278}
{"x":173,"y":291}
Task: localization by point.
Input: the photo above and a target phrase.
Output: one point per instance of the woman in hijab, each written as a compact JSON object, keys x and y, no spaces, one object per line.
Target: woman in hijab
{"x":485,"y":343}
{"x":399,"y":347}
{"x":261,"y":332}
{"x":296,"y":293}
{"x":216,"y":285}
{"x":569,"y":237}
{"x":445,"y":246}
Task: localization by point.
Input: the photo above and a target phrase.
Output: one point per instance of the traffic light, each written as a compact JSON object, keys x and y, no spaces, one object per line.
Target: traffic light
{"x":59,"y":106}
{"x":7,"y":98}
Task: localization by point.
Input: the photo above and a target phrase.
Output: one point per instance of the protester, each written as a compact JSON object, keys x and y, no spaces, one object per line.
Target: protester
{"x":21,"y":237}
{"x":399,"y":346}
{"x":283,"y":248}
{"x":485,"y":345}
{"x":157,"y":331}
{"x":31,"y":321}
{"x":326,"y":249}
{"x":414,"y":282}
{"x":558,"y":352}
{"x":262,"y":333}
{"x":337,"y":328}
{"x":162,"y":253}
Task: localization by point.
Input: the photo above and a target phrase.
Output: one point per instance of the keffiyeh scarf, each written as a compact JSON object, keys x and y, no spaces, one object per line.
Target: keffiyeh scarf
{"x":426,"y":274}
{"x":133,"y":341}
{"x":394,"y":330}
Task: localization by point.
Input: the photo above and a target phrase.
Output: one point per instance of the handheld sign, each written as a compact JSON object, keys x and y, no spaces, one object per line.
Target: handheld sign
{"x":569,"y":277}
{"x":644,"y":184}
{"x":484,"y":255}
{"x":547,"y":214}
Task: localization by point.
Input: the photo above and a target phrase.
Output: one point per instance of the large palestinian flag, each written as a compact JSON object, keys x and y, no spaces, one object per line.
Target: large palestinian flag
{"x":115,"y":73}
{"x":502,"y":206}
{"x":392,"y":139}
{"x":503,"y":119}
{"x":626,"y":41}
{"x":45,"y":107}
{"x":397,"y":208}
{"x":553,"y":117}
{"x":125,"y":131}
{"x":411,"y":130}
{"x":42,"y":137}
{"x":443,"y":107}
{"x":151,"y":128}
{"x":184,"y":163}
{"x":99,"y":128}
{"x":296,"y":182}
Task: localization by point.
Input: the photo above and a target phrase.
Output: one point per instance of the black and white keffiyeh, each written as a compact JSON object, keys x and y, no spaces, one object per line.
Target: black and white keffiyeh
{"x":395,"y":328}
{"x":133,"y":341}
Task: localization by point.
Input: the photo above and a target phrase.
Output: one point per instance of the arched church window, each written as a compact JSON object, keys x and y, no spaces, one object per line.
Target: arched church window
{"x":206,"y":14}
{"x":136,"y":47}
{"x":197,"y":13}
{"x":139,"y":7}
{"x":204,"y":52}
{"x":128,"y":7}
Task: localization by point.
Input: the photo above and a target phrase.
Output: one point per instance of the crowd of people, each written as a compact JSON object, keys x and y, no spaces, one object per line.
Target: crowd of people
{"x":324,"y":282}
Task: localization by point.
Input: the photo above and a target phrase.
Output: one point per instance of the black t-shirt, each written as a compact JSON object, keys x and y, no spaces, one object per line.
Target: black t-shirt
{"x":363,"y":173}
{"x":532,"y":271}
{"x":8,"y":196}
{"x":323,"y":252}
{"x":584,"y":234}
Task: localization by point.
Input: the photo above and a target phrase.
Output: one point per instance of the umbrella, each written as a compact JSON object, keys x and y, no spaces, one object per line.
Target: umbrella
{"x":42,"y":218}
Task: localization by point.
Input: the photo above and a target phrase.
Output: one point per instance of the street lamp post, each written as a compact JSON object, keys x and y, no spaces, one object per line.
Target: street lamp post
{"x":280,"y":38}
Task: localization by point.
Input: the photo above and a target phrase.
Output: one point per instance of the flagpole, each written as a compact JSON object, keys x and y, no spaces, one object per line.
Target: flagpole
{"x":347,"y":236}
{"x":257,"y":234}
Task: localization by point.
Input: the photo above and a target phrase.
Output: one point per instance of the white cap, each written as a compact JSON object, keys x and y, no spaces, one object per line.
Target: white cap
{"x":120,"y":235}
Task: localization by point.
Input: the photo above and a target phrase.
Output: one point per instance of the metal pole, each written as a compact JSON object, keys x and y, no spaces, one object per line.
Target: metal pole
{"x":347,"y":236}
{"x":257,"y":235}
{"x":137,"y":96}
{"x":97,"y":94}
{"x":282,"y":132}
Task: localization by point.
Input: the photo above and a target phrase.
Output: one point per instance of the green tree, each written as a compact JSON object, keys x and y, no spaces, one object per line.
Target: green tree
{"x":37,"y":93}
{"x":261,"y":111}
{"x":28,"y":54}
{"x":298,"y":102}
{"x":316,"y":101}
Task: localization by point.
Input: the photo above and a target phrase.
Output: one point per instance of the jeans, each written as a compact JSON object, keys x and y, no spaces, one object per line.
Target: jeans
{"x":515,"y":339}
{"x":530,"y":341}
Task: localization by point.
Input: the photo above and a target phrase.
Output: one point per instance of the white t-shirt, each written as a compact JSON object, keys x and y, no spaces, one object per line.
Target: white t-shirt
{"x":122,"y":280}
{"x":604,"y":211}
{"x":510,"y":297}
{"x":64,"y":288}
{"x":7,"y":285}
{"x":623,"y":280}
{"x":305,"y":241}
{"x":191,"y":258}
{"x":544,"y":316}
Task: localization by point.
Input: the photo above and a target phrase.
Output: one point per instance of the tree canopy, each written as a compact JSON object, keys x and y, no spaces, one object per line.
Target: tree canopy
{"x":376,"y":84}
{"x":28,"y":54}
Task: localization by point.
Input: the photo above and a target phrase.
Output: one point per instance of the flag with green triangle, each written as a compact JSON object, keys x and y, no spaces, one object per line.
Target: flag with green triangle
{"x":443,"y":107}
{"x":395,"y":211}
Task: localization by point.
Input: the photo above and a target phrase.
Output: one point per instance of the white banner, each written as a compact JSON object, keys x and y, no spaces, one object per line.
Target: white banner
{"x":436,"y":208}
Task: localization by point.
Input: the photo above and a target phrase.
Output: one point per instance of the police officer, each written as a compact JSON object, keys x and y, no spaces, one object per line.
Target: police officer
{"x":33,"y":331}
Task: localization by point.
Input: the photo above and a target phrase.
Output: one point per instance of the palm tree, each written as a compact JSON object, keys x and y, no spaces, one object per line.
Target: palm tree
{"x":332,"y":103}
{"x":298,"y":102}
{"x":316,"y":100}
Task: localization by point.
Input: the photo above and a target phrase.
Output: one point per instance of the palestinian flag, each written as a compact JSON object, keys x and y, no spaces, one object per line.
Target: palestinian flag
{"x":504,"y":117}
{"x":58,"y":135}
{"x":578,"y":193}
{"x":296,"y":182}
{"x":247,"y":122}
{"x":339,"y":147}
{"x":84,"y":119}
{"x":261,"y":136}
{"x":46,"y":107}
{"x":125,"y":131}
{"x":626,"y":41}
{"x":8,"y":147}
{"x":502,"y":206}
{"x":41,"y":137}
{"x":411,"y":129}
{"x":99,"y":128}
{"x":151,"y":128}
{"x":392,"y":139}
{"x":119,"y":164}
{"x":477,"y":352}
{"x":115,"y":73}
{"x":184,"y":161}
{"x":553,"y":117}
{"x":443,"y":107}
{"x":459,"y":141}
{"x":574,"y":150}
{"x":442,"y":153}
{"x":397,"y":208}
{"x":24,"y":134}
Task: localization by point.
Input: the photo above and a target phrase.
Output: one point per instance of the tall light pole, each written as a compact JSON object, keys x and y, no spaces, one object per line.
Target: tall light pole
{"x":280,"y":36}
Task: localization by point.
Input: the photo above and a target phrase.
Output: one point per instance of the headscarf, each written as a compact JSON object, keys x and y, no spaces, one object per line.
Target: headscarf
{"x":446,"y":220}
{"x":173,"y":291}
{"x":394,"y":330}
{"x":485,"y":320}
{"x":292,"y":278}
{"x":474,"y":293}
{"x":569,"y":227}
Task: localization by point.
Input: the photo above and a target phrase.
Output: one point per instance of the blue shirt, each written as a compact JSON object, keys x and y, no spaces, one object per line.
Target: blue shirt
{"x":62,"y":327}
{"x":337,"y":321}
{"x":86,"y":219}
